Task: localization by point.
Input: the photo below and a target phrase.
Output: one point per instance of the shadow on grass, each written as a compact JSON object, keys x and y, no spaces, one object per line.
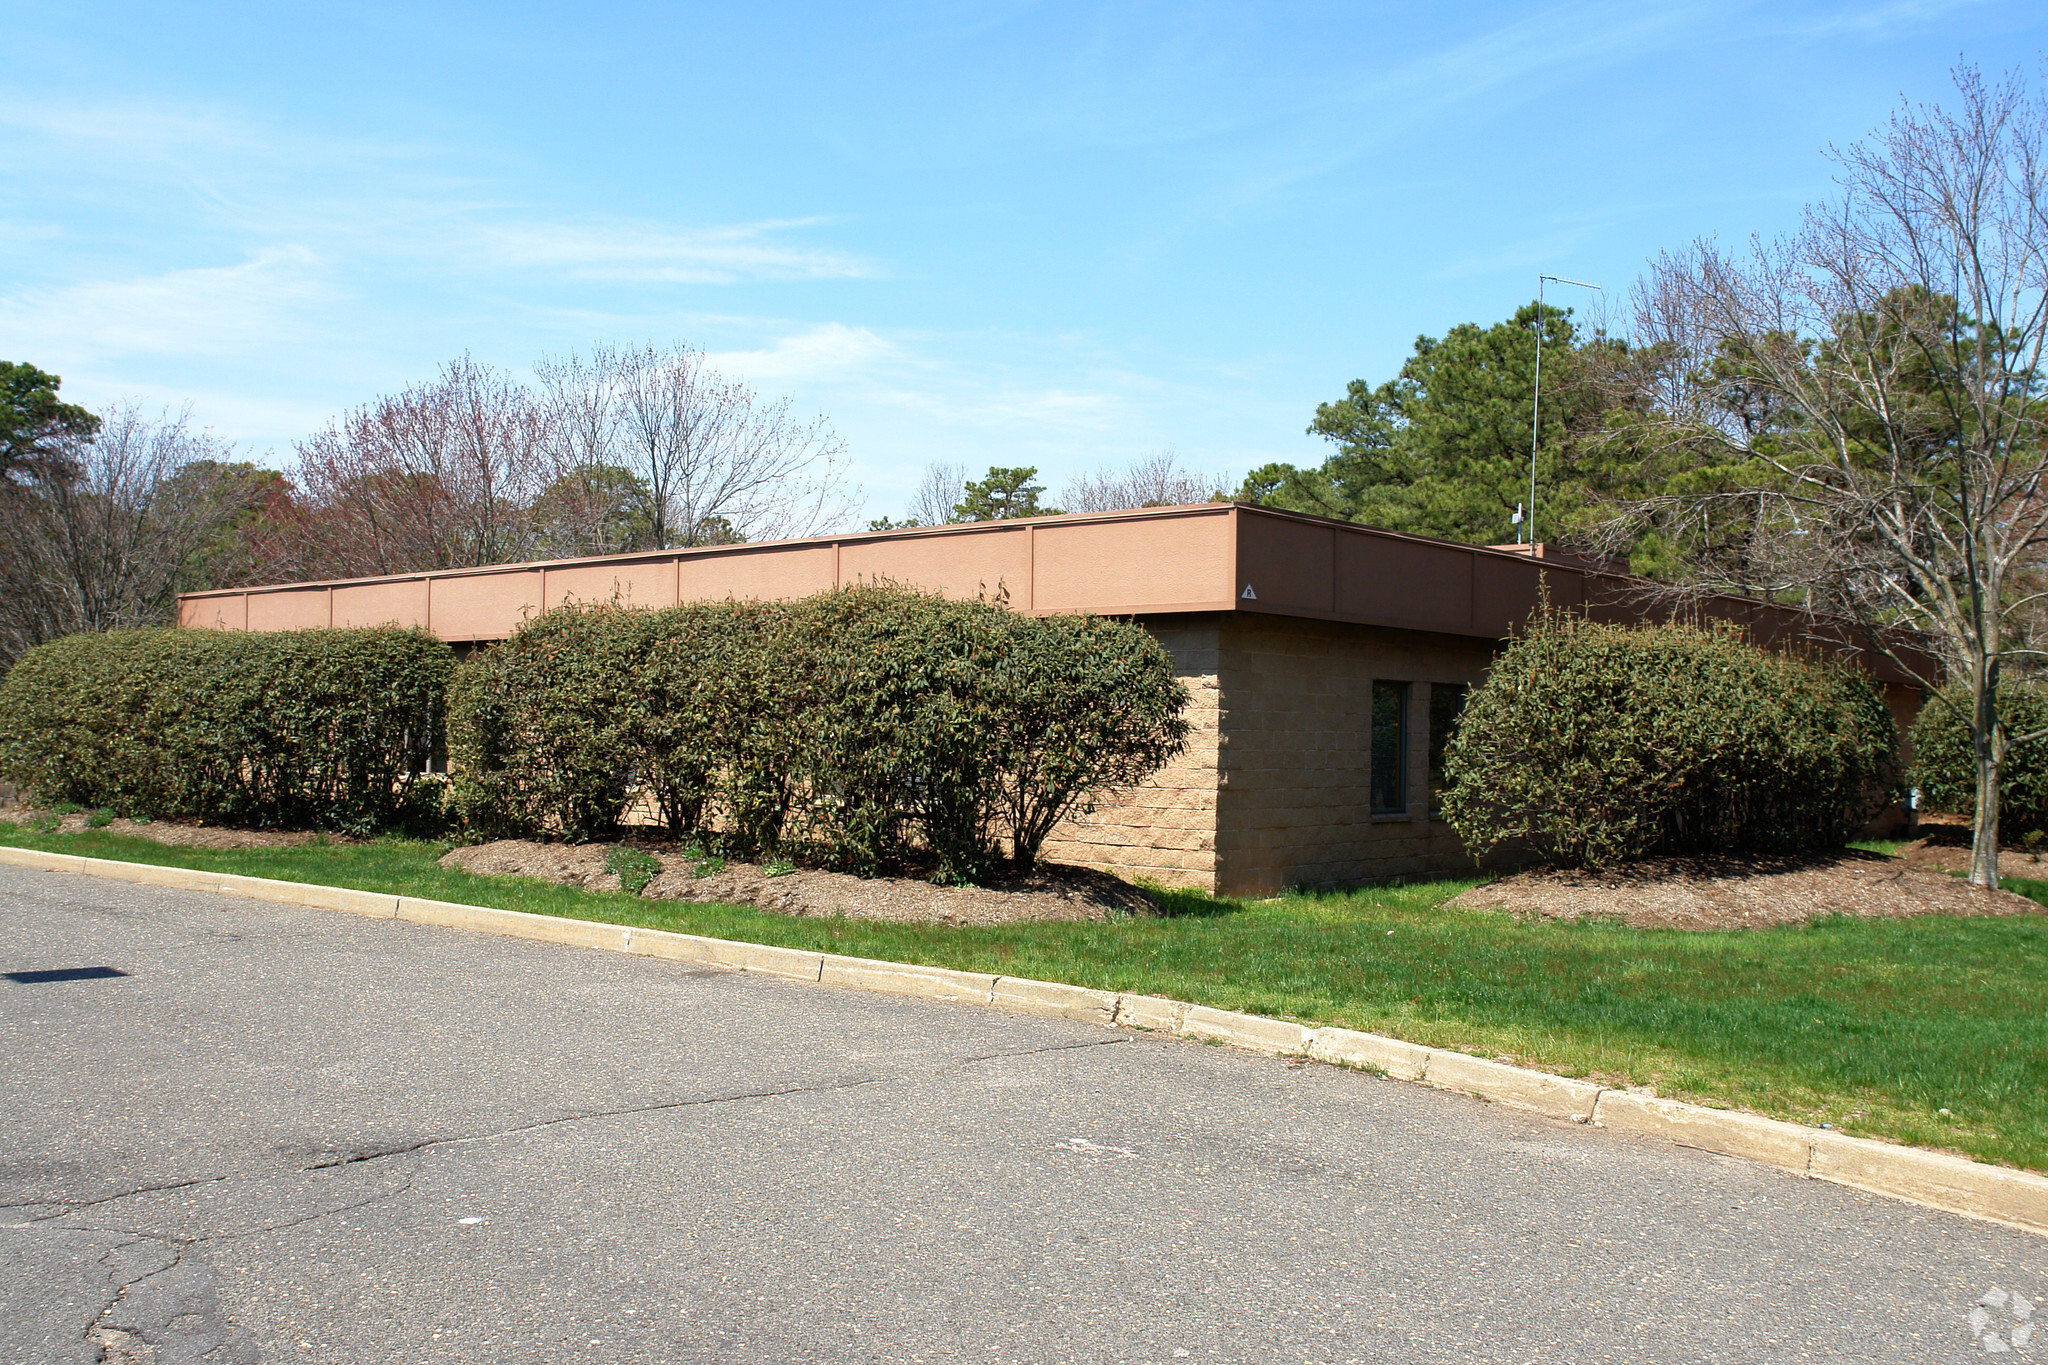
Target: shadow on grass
{"x":2035,"y":891}
{"x":1177,"y":902}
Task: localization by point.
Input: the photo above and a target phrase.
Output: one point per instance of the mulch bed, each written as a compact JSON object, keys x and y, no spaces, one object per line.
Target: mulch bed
{"x":1744,"y":893}
{"x":1663,"y":893}
{"x":1053,"y":893}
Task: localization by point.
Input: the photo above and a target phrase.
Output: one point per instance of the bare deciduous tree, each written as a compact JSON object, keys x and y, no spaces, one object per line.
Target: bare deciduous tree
{"x":938,"y":492}
{"x":1154,"y":481}
{"x":1863,"y":403}
{"x":592,"y":505}
{"x":106,"y":537}
{"x":442,"y":475}
{"x":716,"y":462}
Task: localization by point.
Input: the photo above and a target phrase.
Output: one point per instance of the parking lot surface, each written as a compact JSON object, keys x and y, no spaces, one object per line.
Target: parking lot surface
{"x":233,"y":1131}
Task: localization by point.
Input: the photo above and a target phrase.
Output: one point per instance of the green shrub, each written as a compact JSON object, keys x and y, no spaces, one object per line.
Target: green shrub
{"x":546,"y":727}
{"x":1945,"y":758}
{"x":864,"y":728}
{"x":320,"y":728}
{"x":1594,"y":744}
{"x":724,"y":731}
{"x":86,"y":721}
{"x":1082,"y":705}
{"x":883,"y":751}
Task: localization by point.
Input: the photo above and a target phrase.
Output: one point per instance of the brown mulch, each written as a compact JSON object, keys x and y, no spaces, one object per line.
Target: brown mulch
{"x":1052,"y":893}
{"x":184,"y":833}
{"x":1678,"y":893}
{"x":1743,"y":893}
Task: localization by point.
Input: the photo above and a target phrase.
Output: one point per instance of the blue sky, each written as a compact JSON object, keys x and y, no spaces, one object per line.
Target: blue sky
{"x":1054,"y":234}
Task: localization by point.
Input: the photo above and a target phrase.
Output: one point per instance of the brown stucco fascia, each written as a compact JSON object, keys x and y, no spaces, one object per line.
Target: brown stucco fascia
{"x":1151,"y":562}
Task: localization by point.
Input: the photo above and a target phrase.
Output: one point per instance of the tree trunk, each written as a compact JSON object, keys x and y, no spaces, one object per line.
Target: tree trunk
{"x":1990,"y":769}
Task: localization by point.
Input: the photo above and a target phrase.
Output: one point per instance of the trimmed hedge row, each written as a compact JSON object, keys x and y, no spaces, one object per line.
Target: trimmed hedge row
{"x":1593,"y":744}
{"x":309,"y":729}
{"x":1945,"y":757}
{"x":867,"y":727}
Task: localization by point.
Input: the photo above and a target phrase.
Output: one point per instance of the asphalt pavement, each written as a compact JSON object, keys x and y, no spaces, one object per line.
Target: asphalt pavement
{"x":233,"y":1131}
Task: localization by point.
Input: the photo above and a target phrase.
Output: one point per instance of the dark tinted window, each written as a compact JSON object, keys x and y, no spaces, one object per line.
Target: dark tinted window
{"x":1389,"y":748}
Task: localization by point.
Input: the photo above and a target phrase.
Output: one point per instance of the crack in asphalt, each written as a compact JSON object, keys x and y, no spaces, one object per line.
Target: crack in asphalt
{"x":102,"y":1335}
{"x":109,"y":1339}
{"x":69,"y":1209}
{"x":363,"y":1203}
{"x":188,"y":1319}
{"x":696,"y":1101}
{"x":141,"y":1234}
{"x":97,"y":1327}
{"x":409,"y":1148}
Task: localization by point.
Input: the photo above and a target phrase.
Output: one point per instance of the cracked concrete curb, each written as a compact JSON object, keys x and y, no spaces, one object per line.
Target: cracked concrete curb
{"x":1955,"y":1184}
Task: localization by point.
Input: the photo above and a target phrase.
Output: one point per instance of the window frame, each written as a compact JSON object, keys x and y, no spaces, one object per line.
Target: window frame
{"x":1404,"y":693}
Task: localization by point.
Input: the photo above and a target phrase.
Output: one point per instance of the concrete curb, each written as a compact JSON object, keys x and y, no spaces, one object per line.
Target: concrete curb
{"x":1514,"y":1086}
{"x":1995,"y":1193}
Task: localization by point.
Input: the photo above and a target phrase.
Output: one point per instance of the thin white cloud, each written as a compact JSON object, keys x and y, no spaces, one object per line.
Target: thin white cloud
{"x":20,"y":234}
{"x":990,"y":404}
{"x":716,"y":255}
{"x":1068,"y":403}
{"x":1562,"y":43}
{"x":127,"y":125}
{"x":1517,"y":62}
{"x":214,"y":139}
{"x":1878,"y":22}
{"x":828,"y":352}
{"x":213,"y":310}
{"x":933,"y":377}
{"x":22,"y":240}
{"x":1526,"y":254}
{"x":358,"y":199}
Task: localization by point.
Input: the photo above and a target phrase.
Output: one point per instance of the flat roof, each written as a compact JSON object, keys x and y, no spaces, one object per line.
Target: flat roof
{"x":1156,"y":561}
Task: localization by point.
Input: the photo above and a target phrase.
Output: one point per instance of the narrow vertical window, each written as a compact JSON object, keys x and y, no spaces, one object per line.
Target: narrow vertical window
{"x":1446,"y":703}
{"x":1389,"y":748}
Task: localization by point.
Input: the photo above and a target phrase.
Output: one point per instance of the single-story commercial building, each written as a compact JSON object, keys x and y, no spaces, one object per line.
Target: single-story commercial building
{"x":1326,"y":659}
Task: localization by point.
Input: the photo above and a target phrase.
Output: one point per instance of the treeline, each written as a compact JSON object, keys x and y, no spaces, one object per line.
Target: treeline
{"x":106,"y":517}
{"x":945,"y":496}
{"x":1686,"y":446}
{"x":1443,"y":448}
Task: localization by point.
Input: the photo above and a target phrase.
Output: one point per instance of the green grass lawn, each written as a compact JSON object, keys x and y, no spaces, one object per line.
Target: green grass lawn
{"x":1873,"y":1026}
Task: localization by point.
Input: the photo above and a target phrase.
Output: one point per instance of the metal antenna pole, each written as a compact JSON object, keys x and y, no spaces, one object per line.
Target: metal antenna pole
{"x":1535,"y":424}
{"x":1536,"y":408}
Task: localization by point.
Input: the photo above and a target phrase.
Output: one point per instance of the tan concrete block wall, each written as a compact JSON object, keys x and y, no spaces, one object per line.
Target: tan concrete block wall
{"x":1294,"y":753}
{"x":1164,"y":830}
{"x":1274,"y":789}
